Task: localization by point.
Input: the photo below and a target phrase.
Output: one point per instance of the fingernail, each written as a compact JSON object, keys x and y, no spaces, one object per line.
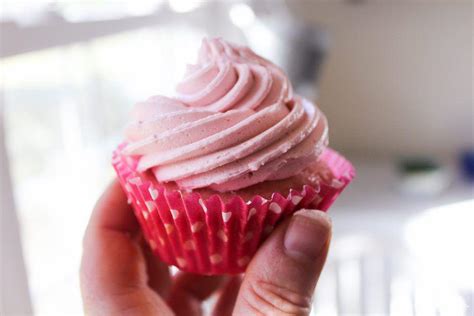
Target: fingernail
{"x":307,"y":234}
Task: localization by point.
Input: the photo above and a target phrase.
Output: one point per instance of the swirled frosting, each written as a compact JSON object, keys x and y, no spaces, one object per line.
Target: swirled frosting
{"x":234,"y":122}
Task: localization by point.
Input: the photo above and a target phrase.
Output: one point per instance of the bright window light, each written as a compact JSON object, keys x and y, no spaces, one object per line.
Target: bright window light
{"x":182,"y":6}
{"x":241,"y":15}
{"x":441,"y":240}
{"x":65,"y":109}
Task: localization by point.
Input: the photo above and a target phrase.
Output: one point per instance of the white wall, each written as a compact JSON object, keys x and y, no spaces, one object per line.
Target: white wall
{"x":399,"y":75}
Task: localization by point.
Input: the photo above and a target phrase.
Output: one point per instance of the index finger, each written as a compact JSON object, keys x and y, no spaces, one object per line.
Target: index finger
{"x":113,"y":212}
{"x":113,"y":269}
{"x":111,"y":257}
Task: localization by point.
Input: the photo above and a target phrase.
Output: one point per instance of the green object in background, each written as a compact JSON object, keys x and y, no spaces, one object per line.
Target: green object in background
{"x":422,"y":176}
{"x":418,"y":165}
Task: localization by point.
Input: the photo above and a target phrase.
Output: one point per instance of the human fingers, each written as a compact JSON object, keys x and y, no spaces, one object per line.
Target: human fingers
{"x":190,"y":290}
{"x":113,"y":268}
{"x":282,"y":276}
{"x":227,"y":297}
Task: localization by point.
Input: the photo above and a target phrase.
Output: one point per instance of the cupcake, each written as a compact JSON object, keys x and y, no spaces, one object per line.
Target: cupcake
{"x":211,"y":171}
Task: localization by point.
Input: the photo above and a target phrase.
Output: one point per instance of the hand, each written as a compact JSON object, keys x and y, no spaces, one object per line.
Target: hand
{"x":120,"y":275}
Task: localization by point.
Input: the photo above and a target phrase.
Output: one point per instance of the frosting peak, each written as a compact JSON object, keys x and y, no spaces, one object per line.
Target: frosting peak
{"x":228,"y":76}
{"x":234,"y":122}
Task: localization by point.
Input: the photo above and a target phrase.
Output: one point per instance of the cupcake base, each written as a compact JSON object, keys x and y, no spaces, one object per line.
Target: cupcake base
{"x":213,"y":233}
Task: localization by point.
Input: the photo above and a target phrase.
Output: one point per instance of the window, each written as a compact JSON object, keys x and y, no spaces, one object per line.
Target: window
{"x":64,"y":112}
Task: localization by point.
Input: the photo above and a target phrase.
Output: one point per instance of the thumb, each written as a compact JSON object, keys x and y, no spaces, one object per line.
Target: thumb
{"x":282,"y":276}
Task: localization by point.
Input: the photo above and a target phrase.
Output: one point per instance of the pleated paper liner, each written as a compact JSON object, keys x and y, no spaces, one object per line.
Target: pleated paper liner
{"x":208,"y":236}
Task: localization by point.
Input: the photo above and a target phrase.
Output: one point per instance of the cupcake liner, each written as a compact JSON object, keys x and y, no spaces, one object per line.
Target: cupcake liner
{"x":209,"y":236}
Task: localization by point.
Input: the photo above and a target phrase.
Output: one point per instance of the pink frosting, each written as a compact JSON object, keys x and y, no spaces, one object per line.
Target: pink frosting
{"x":234,"y":122}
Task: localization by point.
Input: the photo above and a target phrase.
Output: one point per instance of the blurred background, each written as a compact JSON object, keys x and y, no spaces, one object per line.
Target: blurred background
{"x":395,"y":79}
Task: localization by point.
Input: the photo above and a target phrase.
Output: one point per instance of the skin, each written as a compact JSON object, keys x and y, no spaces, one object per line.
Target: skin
{"x":120,"y":275}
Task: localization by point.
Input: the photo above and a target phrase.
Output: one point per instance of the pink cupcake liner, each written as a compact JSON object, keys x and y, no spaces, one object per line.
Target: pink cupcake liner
{"x":208,"y":236}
